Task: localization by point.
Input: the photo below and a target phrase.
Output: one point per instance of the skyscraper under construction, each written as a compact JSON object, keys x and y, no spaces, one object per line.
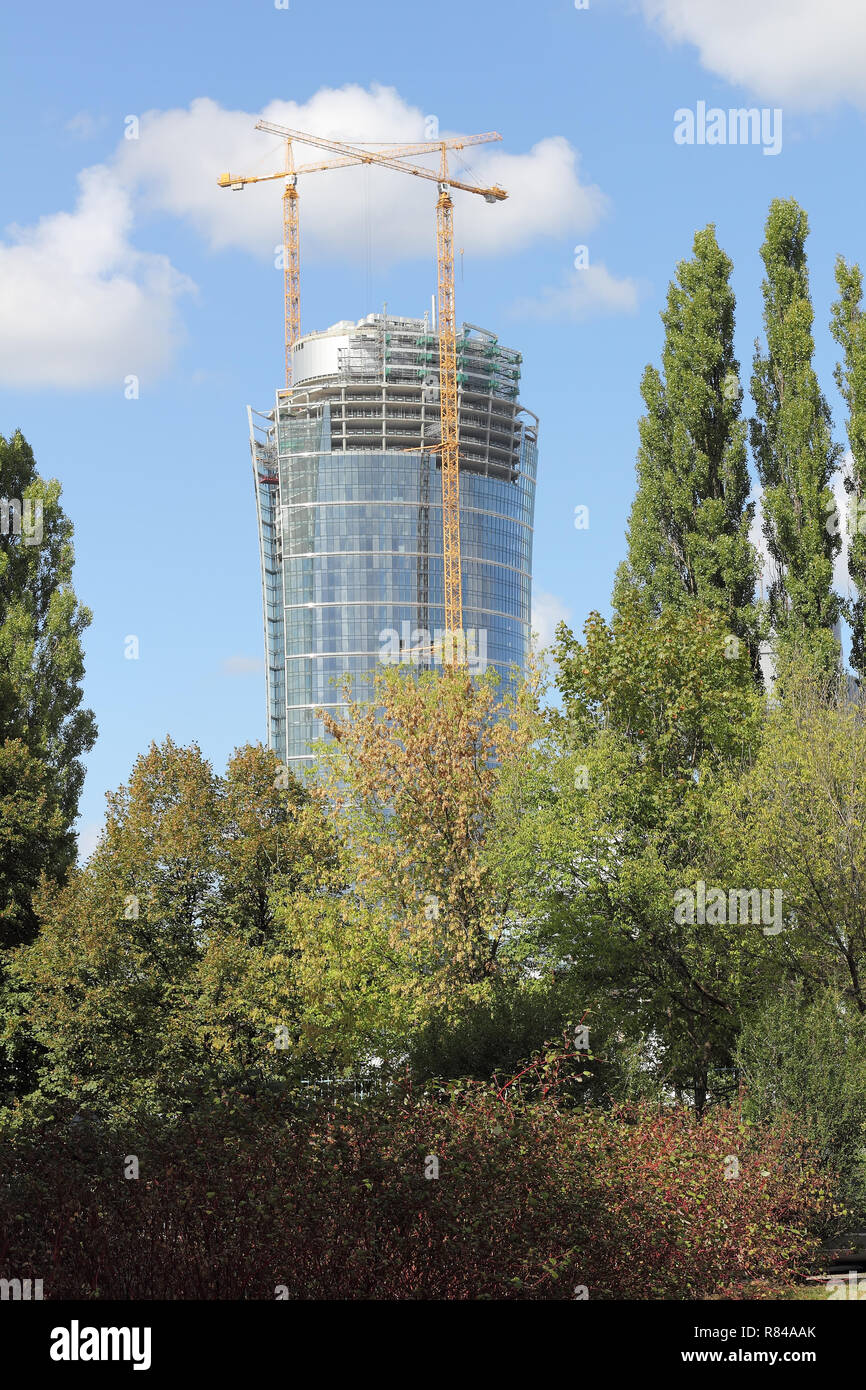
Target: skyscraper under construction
{"x":349,"y":503}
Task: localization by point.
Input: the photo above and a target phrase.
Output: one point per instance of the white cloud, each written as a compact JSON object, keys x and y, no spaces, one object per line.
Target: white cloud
{"x":807,"y":54}
{"x":180,"y":154}
{"x":547,"y":612}
{"x":581,"y":295}
{"x":79,"y":306}
{"x":242,"y":666}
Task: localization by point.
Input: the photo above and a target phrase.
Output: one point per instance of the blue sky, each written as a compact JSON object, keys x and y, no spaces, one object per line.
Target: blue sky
{"x":120,"y":257}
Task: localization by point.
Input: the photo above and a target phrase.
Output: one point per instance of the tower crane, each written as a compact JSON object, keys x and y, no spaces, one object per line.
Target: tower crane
{"x":449,"y":448}
{"x":291,"y":224}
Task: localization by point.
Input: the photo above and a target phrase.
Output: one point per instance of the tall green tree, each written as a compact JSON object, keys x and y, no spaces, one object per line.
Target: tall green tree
{"x":849,"y":329}
{"x":795,"y":820}
{"x":161,"y":972}
{"x":804,"y":1053}
{"x":276,"y":860}
{"x":108,"y":983}
{"x":688,"y":535}
{"x":44,"y":731}
{"x":619,"y":818}
{"x":792,"y":444}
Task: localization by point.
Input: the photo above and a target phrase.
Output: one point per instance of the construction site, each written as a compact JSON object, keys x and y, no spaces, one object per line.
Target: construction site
{"x":394,"y":478}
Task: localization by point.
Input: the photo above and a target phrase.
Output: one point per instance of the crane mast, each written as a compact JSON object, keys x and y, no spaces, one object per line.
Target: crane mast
{"x":450,"y":444}
{"x":291,"y":271}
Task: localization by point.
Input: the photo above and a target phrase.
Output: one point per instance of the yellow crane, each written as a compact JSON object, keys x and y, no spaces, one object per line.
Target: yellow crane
{"x":449,"y":447}
{"x":291,"y":225}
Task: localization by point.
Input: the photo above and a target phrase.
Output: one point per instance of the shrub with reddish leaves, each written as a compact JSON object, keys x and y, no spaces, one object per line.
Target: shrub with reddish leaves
{"x":695,"y":1208}
{"x":531,"y":1201}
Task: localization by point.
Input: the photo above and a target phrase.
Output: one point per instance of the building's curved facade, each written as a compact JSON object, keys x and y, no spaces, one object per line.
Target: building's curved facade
{"x":348,"y":491}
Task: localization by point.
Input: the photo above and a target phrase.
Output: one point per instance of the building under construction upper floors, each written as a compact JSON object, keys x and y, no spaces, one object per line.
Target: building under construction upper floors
{"x":349,"y":501}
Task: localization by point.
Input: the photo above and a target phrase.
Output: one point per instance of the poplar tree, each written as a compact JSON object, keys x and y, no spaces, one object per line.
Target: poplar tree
{"x":792,"y":444}
{"x":44,"y":731}
{"x":849,"y":329}
{"x":688,"y":534}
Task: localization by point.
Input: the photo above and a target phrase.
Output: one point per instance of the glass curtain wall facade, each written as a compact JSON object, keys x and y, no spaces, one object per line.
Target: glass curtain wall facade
{"x":348,"y":495}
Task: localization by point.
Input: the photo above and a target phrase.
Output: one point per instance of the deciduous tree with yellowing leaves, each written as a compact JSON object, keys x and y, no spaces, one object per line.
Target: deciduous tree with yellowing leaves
{"x":413,"y":780}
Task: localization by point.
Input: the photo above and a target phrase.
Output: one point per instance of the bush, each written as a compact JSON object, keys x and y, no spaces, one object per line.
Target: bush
{"x":531,"y":1202}
{"x":490,"y":1035}
{"x":807,"y":1056}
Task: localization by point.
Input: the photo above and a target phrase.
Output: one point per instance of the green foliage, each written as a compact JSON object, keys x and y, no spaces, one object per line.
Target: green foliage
{"x":33,"y":829}
{"x":43,"y":730}
{"x":620,"y":816}
{"x":807,"y":1054}
{"x":792,"y":444}
{"x":688,"y":534}
{"x":109,"y":977}
{"x":675,"y":686}
{"x":494,"y":1035}
{"x":160,"y":972}
{"x":796,"y":821}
